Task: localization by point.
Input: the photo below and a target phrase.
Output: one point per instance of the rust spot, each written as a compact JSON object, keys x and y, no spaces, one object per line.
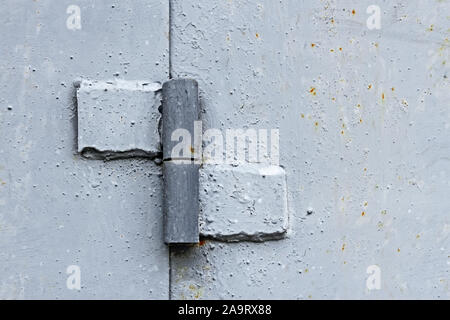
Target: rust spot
{"x":363,"y":213}
{"x":360,"y":120}
{"x":382,"y":96}
{"x":257,"y":35}
{"x":332,"y":20}
{"x":353,"y":12}
{"x":313,"y":45}
{"x":340,"y":49}
{"x":192,"y":149}
{"x":313,"y":91}
{"x":343,"y":247}
{"x":392,"y":89}
{"x":316,"y":124}
{"x":369,"y":87}
{"x":201,"y":243}
{"x":365,"y":169}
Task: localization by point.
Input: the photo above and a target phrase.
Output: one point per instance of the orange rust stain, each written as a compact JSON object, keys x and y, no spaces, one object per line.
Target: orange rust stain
{"x":257,"y":35}
{"x":363,"y":213}
{"x":332,"y":20}
{"x":313,"y":91}
{"x":313,"y":45}
{"x":340,"y":49}
{"x":316,"y":124}
{"x":382,"y":96}
{"x":343,"y":247}
{"x":359,"y":106}
{"x":360,"y":120}
{"x":369,"y":87}
{"x":353,"y":12}
{"x":201,"y":243}
{"x":392,"y":89}
{"x":192,"y":149}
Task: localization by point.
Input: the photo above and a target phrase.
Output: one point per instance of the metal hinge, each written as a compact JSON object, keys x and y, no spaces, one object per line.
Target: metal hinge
{"x":227,"y":202}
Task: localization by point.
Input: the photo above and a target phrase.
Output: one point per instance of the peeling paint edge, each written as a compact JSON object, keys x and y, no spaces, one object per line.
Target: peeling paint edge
{"x":95,"y":154}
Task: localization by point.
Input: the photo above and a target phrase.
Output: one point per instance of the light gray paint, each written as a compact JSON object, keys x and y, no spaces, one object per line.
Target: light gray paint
{"x":56,"y":208}
{"x":118,"y":119}
{"x":257,"y":63}
{"x":349,"y":144}
{"x":244,"y":202}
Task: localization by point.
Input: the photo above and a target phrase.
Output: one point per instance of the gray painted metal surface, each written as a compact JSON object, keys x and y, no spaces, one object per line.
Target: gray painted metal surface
{"x":180,"y":112}
{"x":56,"y":208}
{"x":364,"y":121}
{"x":364,"y":139}
{"x":245,"y":202}
{"x":118,"y":119}
{"x":180,"y":202}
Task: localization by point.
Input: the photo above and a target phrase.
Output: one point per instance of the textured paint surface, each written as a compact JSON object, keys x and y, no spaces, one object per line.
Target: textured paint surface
{"x":364,"y":138}
{"x":245,"y":202}
{"x":118,"y":118}
{"x":56,"y":208}
{"x":364,"y":130}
